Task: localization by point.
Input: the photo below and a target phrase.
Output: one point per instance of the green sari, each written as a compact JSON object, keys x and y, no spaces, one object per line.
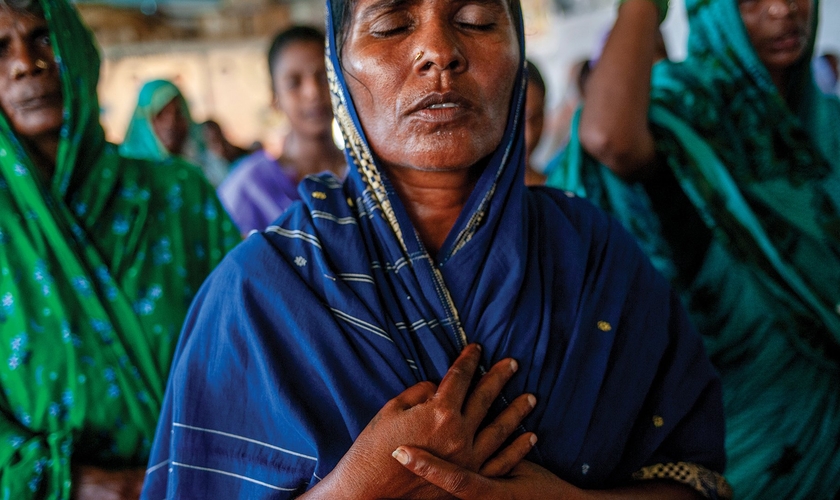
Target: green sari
{"x":762,"y":177}
{"x":97,"y":269}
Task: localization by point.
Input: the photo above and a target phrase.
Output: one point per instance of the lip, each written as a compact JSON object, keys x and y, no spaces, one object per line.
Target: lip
{"x":791,"y":39}
{"x":440,"y":106}
{"x":39,"y":101}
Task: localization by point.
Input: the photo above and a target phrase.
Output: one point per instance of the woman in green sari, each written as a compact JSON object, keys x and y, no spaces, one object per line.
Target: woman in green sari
{"x":99,"y":259}
{"x":727,"y":168}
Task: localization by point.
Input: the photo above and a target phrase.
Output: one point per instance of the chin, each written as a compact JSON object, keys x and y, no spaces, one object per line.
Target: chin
{"x":40,"y":124}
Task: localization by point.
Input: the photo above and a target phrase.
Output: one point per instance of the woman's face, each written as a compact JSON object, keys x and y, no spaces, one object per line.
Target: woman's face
{"x":779,"y":30}
{"x":301,"y":89}
{"x":171,"y":127}
{"x":431,"y":80}
{"x":30,"y":84}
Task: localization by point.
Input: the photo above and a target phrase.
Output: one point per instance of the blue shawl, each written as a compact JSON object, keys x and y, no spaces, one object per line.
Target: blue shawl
{"x":310,"y":327}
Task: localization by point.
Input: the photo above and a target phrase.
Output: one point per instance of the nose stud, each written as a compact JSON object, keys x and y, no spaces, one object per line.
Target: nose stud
{"x":40,"y":63}
{"x":418,"y":56}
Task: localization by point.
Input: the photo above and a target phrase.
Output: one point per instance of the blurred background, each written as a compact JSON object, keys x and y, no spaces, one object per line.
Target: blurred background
{"x":215,"y":50}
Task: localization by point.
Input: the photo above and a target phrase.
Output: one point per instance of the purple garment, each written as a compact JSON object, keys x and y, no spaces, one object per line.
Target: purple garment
{"x":257,"y":191}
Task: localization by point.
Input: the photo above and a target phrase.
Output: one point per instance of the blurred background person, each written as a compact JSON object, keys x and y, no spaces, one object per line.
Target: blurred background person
{"x":558,"y":120}
{"x":220,"y":155}
{"x":162,"y":128}
{"x":726,"y":168}
{"x":826,"y":72}
{"x":534,"y":119}
{"x":100,"y":256}
{"x":262,"y":186}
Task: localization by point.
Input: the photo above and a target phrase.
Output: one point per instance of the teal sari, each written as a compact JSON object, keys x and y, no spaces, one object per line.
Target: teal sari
{"x":98,"y":266}
{"x":761,"y":175}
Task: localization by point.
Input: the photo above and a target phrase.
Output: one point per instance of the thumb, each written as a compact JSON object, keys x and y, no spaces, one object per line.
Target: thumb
{"x":455,"y":480}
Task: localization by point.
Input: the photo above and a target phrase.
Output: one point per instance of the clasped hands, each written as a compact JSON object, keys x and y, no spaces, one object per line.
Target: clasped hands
{"x":428,"y":443}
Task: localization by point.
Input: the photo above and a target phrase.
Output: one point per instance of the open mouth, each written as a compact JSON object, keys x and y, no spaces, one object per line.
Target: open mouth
{"x":440,"y":107}
{"x":445,"y":105}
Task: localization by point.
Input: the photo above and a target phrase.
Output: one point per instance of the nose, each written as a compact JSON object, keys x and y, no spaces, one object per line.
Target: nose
{"x":438,"y":49}
{"x":782,"y":8}
{"x":313,"y":87}
{"x":25,"y":61}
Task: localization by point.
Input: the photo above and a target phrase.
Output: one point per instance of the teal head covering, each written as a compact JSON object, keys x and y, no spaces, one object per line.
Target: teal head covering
{"x":97,"y":268}
{"x":140,"y":138}
{"x":719,"y":45}
{"x":762,"y":171}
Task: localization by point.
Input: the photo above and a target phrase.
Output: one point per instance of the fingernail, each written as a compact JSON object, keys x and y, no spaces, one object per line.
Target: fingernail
{"x":532,"y":400}
{"x":478,"y":346}
{"x":514,"y":365}
{"x":400,"y":455}
{"x":533,"y":439}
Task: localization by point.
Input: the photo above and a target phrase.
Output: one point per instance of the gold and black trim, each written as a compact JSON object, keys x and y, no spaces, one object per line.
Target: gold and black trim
{"x":708,"y":483}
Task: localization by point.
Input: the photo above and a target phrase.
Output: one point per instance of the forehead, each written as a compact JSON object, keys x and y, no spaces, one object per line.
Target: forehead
{"x":19,"y":19}
{"x":300,"y":56}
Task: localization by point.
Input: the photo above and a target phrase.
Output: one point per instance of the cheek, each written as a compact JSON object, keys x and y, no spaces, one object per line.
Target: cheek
{"x":372,"y":84}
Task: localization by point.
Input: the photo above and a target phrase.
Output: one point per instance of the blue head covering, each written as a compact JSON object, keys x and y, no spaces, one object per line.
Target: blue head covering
{"x":314,"y":324}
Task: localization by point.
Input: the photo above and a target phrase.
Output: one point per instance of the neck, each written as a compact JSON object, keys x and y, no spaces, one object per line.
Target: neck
{"x":312,"y":154}
{"x":43,"y":152}
{"x":781,"y":79}
{"x":434,"y":200}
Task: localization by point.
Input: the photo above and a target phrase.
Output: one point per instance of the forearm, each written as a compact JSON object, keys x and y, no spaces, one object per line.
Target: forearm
{"x":614,"y":125}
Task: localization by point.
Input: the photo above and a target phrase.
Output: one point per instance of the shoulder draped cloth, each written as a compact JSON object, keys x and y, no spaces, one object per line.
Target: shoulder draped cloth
{"x":97,"y":269}
{"x":763,"y":175}
{"x":309,"y":327}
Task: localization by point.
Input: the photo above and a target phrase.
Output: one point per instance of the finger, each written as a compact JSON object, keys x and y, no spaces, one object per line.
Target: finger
{"x":416,"y":394}
{"x":456,"y":383}
{"x":488,"y":389}
{"x":490,"y":438}
{"x":509,"y":457}
{"x":447,"y":476}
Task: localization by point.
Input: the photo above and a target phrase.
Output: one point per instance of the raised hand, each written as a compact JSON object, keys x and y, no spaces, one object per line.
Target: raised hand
{"x":445,"y":420}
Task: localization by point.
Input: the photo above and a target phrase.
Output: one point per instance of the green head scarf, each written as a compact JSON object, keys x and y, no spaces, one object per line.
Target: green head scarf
{"x":140,"y":138}
{"x":98,"y":266}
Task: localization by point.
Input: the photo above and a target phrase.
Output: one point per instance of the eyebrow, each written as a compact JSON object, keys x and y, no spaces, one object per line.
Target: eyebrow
{"x":385,"y":6}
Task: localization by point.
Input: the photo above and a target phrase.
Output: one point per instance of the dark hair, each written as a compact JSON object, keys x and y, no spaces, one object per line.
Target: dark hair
{"x":341,"y":12}
{"x":290,"y":36}
{"x":534,"y":76}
